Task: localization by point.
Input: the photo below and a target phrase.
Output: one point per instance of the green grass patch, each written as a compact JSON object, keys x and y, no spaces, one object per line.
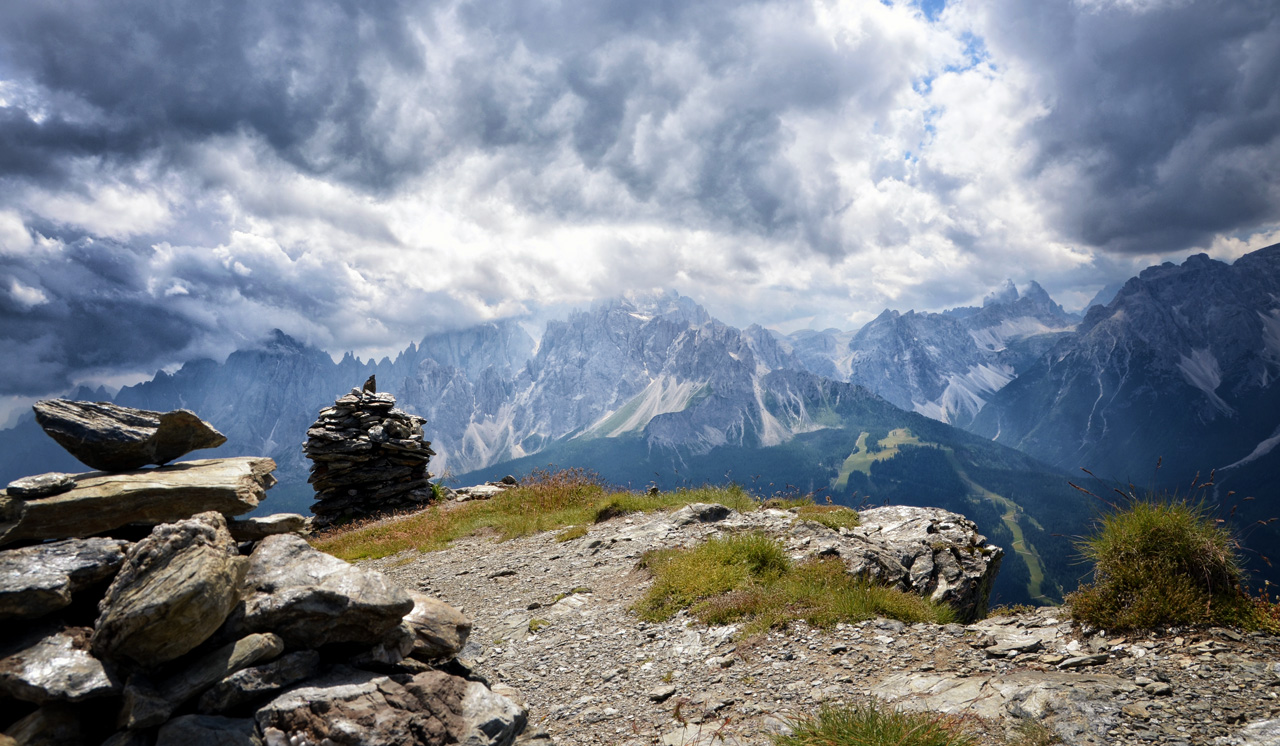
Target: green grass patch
{"x":544,"y":501}
{"x":876,"y":725}
{"x":749,"y":578}
{"x":831,"y":516}
{"x":569,"y":534}
{"x":1165,"y":561}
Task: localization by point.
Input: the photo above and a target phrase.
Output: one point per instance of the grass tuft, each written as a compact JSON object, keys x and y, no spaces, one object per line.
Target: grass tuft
{"x":875,"y":725}
{"x":750,"y":578}
{"x":1161,"y":562}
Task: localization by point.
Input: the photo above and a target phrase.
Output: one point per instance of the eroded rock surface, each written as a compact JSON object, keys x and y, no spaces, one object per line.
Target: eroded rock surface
{"x":439,"y":630}
{"x":51,"y":663}
{"x":176,"y":588}
{"x":40,"y":579}
{"x":41,"y":485}
{"x":310,"y":598}
{"x":245,"y":687}
{"x":353,"y":707}
{"x":102,"y":502}
{"x":110,"y":437}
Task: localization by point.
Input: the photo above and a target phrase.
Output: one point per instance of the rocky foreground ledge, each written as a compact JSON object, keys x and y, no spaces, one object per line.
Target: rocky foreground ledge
{"x":180,"y":625}
{"x":553,"y":628}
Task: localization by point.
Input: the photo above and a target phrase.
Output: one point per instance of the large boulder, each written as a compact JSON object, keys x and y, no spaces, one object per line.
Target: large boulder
{"x":932,"y":552}
{"x":310,"y":598}
{"x":358,"y":708}
{"x":113,"y":438}
{"x":51,"y":663}
{"x":102,"y":502}
{"x":176,"y":588}
{"x":39,"y":579}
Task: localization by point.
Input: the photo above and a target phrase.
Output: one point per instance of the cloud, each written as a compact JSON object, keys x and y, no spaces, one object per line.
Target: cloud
{"x":178,"y":179}
{"x":1162,"y":126}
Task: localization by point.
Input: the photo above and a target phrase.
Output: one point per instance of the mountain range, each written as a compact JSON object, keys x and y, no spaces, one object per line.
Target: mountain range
{"x":650,"y":388}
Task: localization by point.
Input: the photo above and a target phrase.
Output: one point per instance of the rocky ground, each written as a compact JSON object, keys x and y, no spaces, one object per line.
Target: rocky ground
{"x":553,"y":623}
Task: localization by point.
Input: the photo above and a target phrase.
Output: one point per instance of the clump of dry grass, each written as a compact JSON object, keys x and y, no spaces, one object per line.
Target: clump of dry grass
{"x":545,"y":500}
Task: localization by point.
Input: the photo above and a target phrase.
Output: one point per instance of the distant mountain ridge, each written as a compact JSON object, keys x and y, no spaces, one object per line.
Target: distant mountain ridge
{"x":943,"y":365}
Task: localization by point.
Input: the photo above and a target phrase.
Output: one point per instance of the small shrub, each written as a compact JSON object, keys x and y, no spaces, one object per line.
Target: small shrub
{"x":875,"y":725}
{"x":1161,"y":562}
{"x":832,"y":516}
{"x":1010,"y":610}
{"x":536,"y":625}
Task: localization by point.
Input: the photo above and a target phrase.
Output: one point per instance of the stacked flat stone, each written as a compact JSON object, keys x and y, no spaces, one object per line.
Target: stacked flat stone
{"x":367,"y":458}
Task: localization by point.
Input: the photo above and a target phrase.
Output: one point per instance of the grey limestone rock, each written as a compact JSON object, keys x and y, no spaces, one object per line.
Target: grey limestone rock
{"x":51,"y":663}
{"x":208,"y":730}
{"x":244,"y":687}
{"x":310,"y":598}
{"x":113,"y":438}
{"x":930,"y":551}
{"x":102,"y":502}
{"x":440,"y":631}
{"x":41,"y":485}
{"x":176,"y":588}
{"x":147,"y":704}
{"x":53,"y":724}
{"x":39,"y":579}
{"x":353,"y":708}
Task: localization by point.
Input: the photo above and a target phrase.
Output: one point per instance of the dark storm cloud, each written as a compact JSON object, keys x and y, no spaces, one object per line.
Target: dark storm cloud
{"x":96,"y":316}
{"x":1164,"y":120}
{"x":152,"y":74}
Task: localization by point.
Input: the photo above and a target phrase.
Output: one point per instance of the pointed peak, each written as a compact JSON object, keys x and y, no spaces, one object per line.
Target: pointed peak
{"x":1036,"y":293}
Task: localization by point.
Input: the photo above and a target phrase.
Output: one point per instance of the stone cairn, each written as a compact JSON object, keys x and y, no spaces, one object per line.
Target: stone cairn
{"x":135,"y":612}
{"x":367,"y":458}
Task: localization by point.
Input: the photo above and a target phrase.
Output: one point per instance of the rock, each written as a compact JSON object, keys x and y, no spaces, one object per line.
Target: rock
{"x":175,"y":589}
{"x":208,"y":730}
{"x":244,"y":687}
{"x":478,"y":492}
{"x":255,"y":529}
{"x":310,"y":598}
{"x":41,"y":485}
{"x":147,"y":704}
{"x":112,"y":438}
{"x":129,"y":738}
{"x":367,"y":458}
{"x":359,"y":707}
{"x":1081,"y":661}
{"x":102,"y":502}
{"x":700,"y":513}
{"x":932,"y":552}
{"x":54,"y":724}
{"x":440,"y":631}
{"x":1261,"y":733}
{"x":661,"y":693}
{"x":39,"y":579}
{"x":54,"y":664}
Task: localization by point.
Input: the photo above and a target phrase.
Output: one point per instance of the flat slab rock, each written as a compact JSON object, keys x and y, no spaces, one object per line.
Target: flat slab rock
{"x":113,"y":438}
{"x":102,"y":502}
{"x":41,"y":485}
{"x":359,"y":707}
{"x":310,"y":598}
{"x":41,"y":579}
{"x":52,"y":663}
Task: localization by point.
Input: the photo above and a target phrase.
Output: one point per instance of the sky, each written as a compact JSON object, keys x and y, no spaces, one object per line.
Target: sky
{"x":178,"y":178}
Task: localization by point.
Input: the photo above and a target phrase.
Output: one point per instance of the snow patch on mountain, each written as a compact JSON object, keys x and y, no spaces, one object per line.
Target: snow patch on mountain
{"x":1200,"y":369}
{"x":966,"y":392}
{"x":1262,"y":449}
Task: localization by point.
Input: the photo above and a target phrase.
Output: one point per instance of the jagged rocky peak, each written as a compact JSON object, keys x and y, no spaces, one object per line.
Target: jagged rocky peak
{"x":664,"y":302}
{"x":368,"y":458}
